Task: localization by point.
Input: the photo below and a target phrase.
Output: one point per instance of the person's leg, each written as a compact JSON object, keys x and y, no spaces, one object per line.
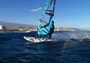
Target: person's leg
{"x":36,"y":36}
{"x":50,"y":35}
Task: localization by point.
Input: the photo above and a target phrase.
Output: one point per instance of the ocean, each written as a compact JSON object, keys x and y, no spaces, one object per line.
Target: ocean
{"x":70,"y":47}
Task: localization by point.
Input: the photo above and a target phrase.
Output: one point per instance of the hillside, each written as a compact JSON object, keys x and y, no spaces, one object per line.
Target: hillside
{"x":70,"y":29}
{"x":15,"y":25}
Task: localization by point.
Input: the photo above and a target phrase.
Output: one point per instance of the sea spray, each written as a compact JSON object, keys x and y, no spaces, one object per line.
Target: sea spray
{"x":67,"y":35}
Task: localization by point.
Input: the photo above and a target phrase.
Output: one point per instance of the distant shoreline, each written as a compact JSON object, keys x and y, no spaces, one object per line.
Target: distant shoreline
{"x":35,"y":29}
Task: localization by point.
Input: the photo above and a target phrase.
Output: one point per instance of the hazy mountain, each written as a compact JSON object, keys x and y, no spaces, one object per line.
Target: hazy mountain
{"x":15,"y":25}
{"x":71,"y":29}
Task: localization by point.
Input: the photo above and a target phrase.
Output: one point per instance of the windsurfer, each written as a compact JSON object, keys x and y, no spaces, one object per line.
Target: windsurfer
{"x":51,"y":29}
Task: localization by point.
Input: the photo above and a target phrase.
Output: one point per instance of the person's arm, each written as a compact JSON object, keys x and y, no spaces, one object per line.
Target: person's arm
{"x":44,"y":26}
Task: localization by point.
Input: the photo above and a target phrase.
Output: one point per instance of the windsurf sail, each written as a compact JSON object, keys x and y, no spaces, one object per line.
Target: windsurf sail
{"x":46,"y":18}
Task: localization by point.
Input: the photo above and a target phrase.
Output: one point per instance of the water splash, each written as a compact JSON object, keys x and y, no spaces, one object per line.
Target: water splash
{"x":67,"y":35}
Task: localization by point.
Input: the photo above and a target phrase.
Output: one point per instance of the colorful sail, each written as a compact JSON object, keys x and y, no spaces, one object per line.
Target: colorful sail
{"x":46,"y":19}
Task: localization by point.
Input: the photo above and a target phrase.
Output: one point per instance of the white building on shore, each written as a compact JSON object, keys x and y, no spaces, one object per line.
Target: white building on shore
{"x":2,"y":28}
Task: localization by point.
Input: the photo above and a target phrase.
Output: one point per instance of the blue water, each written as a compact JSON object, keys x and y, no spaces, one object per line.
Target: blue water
{"x":71,"y":47}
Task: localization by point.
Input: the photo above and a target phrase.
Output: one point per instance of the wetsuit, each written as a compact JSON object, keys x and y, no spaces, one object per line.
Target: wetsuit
{"x":51,"y":31}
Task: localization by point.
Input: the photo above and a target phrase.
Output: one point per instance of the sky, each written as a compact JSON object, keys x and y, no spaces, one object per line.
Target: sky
{"x":68,"y":13}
